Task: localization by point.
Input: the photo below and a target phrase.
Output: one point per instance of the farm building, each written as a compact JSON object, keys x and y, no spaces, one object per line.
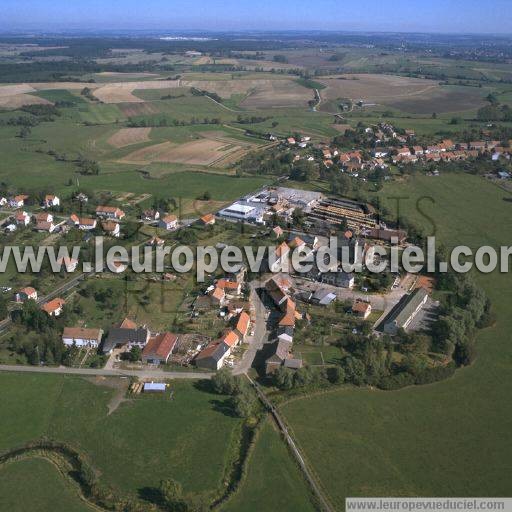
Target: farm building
{"x":213,"y":356}
{"x":127,"y":334}
{"x":82,"y":337}
{"x":362,"y":309}
{"x":403,"y":313}
{"x":280,"y":352}
{"x":159,"y":348}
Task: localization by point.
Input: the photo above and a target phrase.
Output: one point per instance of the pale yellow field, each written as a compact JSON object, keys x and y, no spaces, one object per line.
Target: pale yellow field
{"x":128,"y":136}
{"x":122,"y":92}
{"x":198,"y":152}
{"x":20,"y":100}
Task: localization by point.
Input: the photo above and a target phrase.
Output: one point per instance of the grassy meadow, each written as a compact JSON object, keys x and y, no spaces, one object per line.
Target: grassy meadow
{"x":445,"y":439}
{"x":143,"y":441}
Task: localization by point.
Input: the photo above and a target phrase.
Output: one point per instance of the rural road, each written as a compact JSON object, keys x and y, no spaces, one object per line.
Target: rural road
{"x":143,"y":374}
{"x":260,"y":331}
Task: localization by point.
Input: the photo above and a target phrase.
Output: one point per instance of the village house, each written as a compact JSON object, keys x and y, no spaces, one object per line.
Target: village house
{"x":45,"y":226}
{"x":231,"y":339}
{"x":150,"y":215}
{"x":43,"y":217}
{"x":22,"y":218}
{"x":159,"y":348}
{"x":81,"y":337}
{"x":362,"y":309}
{"x":208,"y":219}
{"x":126,"y":335}
{"x":213,"y":356}
{"x":111,"y":228}
{"x":338,"y":278}
{"x":217,"y":296}
{"x":18,"y":201}
{"x":290,"y":140}
{"x":87,"y":223}
{"x":278,"y":231}
{"x":27,"y":293}
{"x":50,"y":201}
{"x":229,"y":287}
{"x":3,"y":201}
{"x":281,"y":258}
{"x":53,"y":307}
{"x":281,"y":350}
{"x":109,"y":212}
{"x":169,"y":222}
{"x":242,"y":325}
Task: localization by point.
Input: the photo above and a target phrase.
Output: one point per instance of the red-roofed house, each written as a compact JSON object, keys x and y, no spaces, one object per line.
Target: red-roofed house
{"x":169,"y":222}
{"x":217,"y":295}
{"x":242,"y":324}
{"x":54,"y":307}
{"x":231,"y":287}
{"x":25,"y":294}
{"x":22,"y":218}
{"x":110,"y":212}
{"x":208,"y":219}
{"x":231,"y":339}
{"x":159,"y":348}
{"x":50,"y":200}
{"x":362,"y":308}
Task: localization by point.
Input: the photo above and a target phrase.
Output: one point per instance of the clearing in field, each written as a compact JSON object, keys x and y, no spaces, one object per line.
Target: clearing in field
{"x":198,"y":152}
{"x":128,"y":136}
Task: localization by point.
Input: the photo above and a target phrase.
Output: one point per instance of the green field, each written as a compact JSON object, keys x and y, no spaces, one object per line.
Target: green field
{"x":143,"y":441}
{"x":34,"y":484}
{"x":446,"y":439}
{"x":273,"y":482}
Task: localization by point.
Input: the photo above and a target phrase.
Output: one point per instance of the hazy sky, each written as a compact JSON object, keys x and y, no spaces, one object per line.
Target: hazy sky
{"x":491,"y":16}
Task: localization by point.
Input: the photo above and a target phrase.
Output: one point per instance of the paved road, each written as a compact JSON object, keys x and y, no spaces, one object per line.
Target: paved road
{"x":260,"y":331}
{"x":142,"y":374}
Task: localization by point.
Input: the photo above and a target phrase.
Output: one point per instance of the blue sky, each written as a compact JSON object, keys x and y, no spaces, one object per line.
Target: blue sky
{"x":479,"y":16}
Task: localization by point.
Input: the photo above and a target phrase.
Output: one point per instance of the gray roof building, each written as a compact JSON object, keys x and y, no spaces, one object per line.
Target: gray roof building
{"x":119,"y":336}
{"x":402,"y":314}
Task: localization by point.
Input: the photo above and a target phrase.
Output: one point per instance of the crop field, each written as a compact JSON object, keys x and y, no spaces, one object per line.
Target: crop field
{"x":129,"y":446}
{"x":128,"y":136}
{"x":121,"y":92}
{"x":429,"y":440}
{"x":198,"y":152}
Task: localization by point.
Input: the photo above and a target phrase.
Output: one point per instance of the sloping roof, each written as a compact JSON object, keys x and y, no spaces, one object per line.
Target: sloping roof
{"x":169,"y":218}
{"x":275,"y":291}
{"x":43,"y":217}
{"x":109,"y":226}
{"x":160,"y":346}
{"x":242,"y":323}
{"x":53,"y":305}
{"x":215,"y":350}
{"x":127,"y":324}
{"x":109,"y":209}
{"x":406,"y":307}
{"x":230,"y":338}
{"x":360,"y":306}
{"x":227,"y":285}
{"x":82,"y":333}
{"x":293,"y":363}
{"x":289,"y":316}
{"x":282,"y":250}
{"x":209,"y":217}
{"x":280,"y":351}
{"x":44,"y":226}
{"x":120,"y":336}
{"x":218,"y":293}
{"x":28,"y":290}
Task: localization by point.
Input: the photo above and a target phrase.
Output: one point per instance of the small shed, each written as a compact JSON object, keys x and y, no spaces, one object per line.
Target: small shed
{"x":154,"y":387}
